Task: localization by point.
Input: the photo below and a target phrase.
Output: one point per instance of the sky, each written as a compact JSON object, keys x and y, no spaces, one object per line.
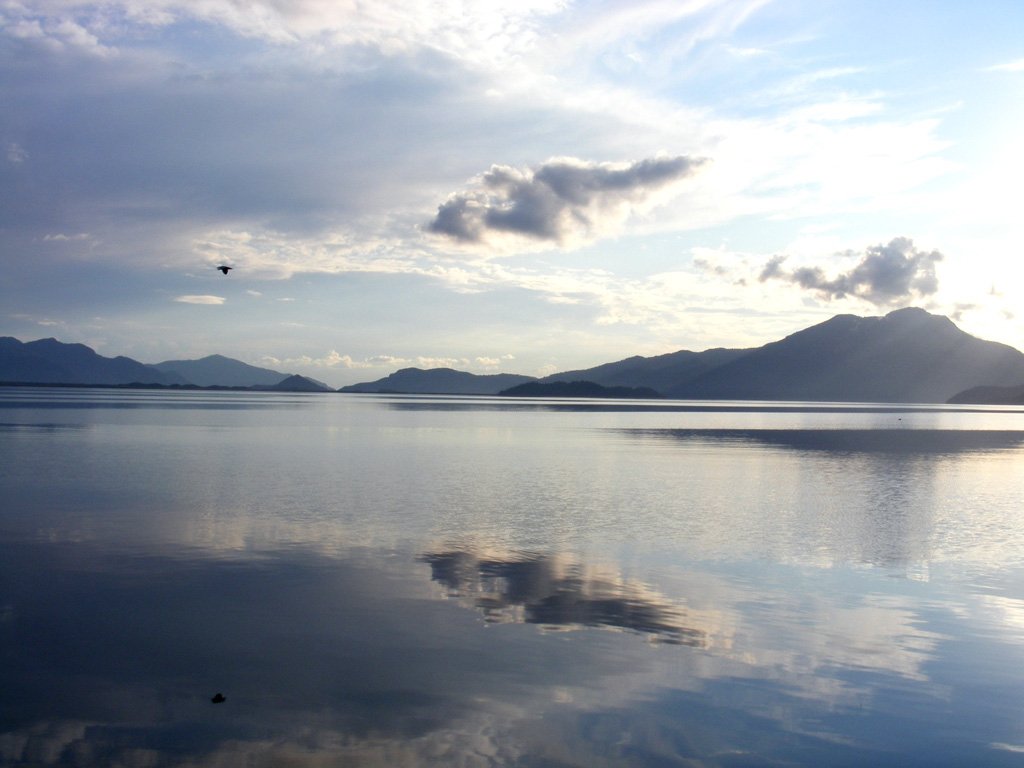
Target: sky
{"x":524,"y":186}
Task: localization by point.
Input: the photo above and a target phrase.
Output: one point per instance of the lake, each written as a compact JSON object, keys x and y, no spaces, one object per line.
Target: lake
{"x":442,"y":581}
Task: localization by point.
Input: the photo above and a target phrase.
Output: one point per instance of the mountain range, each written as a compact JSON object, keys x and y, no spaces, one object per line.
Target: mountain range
{"x":908,"y":355}
{"x":48,"y":361}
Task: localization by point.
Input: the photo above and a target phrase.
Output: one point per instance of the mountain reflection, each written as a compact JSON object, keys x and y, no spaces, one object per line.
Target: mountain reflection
{"x":545,"y":590}
{"x":891,"y":441}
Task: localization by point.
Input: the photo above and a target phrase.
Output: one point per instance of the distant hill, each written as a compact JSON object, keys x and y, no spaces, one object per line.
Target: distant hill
{"x":908,"y":355}
{"x":662,"y":372}
{"x":989,"y":396}
{"x":298,"y":383}
{"x":440,"y":381}
{"x":220,"y":371}
{"x":577,"y":389}
{"x":48,"y":361}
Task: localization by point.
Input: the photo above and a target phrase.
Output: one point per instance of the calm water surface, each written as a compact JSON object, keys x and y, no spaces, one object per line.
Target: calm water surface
{"x":414,"y":581}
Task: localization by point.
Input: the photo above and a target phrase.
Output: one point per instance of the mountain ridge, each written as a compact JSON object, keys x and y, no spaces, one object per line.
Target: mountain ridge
{"x":49,"y":361}
{"x":439,"y":381}
{"x":218,"y":370}
{"x":907,"y":355}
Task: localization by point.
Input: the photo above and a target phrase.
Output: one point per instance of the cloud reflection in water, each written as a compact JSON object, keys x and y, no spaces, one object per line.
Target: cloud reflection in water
{"x":545,"y":590}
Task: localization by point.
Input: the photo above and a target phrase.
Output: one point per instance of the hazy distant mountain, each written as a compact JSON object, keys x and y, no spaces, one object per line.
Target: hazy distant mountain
{"x":220,"y":371}
{"x":990,"y":396}
{"x":906,"y":356}
{"x":440,"y":381}
{"x":298,"y":383}
{"x":662,"y":372}
{"x":48,"y":361}
{"x":577,"y":389}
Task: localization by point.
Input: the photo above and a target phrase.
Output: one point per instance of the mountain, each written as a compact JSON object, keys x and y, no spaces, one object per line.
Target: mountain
{"x":908,"y":355}
{"x":220,"y":371}
{"x":990,"y":396}
{"x":298,"y":383}
{"x":661,"y":373}
{"x":577,"y":389}
{"x":439,"y":381}
{"x":48,"y":361}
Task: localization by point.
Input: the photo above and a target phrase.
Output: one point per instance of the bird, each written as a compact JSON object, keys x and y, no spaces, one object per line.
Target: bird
{"x":218,"y":699}
{"x":223,"y":268}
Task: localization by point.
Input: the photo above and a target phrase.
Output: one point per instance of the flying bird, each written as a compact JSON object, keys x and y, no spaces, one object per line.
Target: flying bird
{"x":223,"y":268}
{"x":218,"y":698}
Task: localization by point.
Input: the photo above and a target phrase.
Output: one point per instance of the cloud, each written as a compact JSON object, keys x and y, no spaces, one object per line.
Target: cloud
{"x":885,"y":275}
{"x":1013,"y":66}
{"x":44,"y":321}
{"x":489,"y":32}
{"x":332,"y":359}
{"x":16,"y":153}
{"x":564,"y":200}
{"x":441,"y":362}
{"x":203,"y":299}
{"x":959,"y":308}
{"x":549,"y":591}
{"x":489,"y":363}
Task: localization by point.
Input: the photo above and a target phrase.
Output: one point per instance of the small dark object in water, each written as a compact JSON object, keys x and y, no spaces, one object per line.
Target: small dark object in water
{"x":218,"y":699}
{"x":224,"y":268}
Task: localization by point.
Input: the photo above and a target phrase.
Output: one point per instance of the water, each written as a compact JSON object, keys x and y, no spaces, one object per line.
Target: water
{"x":421,"y":581}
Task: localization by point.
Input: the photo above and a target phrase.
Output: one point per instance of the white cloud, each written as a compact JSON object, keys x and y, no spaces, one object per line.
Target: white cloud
{"x":493,"y":362}
{"x":493,"y":32}
{"x":333,"y":359}
{"x":16,"y":153}
{"x":202,"y":299}
{"x":441,"y":362}
{"x":1013,"y":66}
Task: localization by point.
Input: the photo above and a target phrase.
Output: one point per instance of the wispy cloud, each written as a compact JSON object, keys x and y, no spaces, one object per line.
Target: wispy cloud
{"x":565,"y":200}
{"x":490,"y":363}
{"x":494,"y":30}
{"x":1013,"y":66}
{"x":15,"y":153}
{"x":884,"y":275}
{"x":333,"y":359}
{"x":200,"y":299}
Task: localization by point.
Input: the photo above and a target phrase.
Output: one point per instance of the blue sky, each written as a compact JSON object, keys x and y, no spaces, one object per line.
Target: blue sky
{"x":523,"y":186}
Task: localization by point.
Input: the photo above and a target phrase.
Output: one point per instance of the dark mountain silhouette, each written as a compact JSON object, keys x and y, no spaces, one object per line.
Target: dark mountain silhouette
{"x":48,"y":361}
{"x":220,"y":371}
{"x":577,"y":389}
{"x":439,"y":381}
{"x":662,"y":372}
{"x":908,"y":355}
